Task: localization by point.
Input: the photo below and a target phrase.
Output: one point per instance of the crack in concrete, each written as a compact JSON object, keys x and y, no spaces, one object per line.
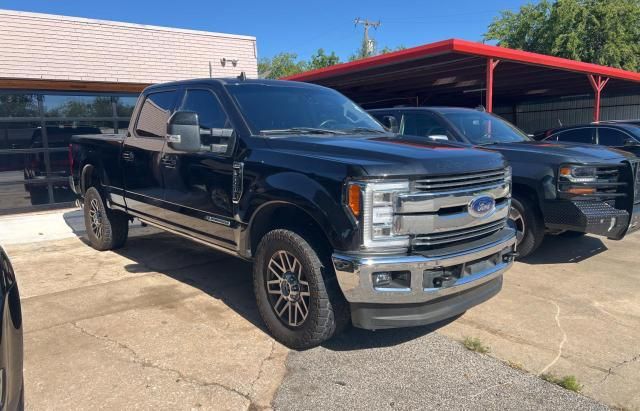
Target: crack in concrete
{"x":263,"y":362}
{"x":564,"y":338}
{"x":145,"y":363}
{"x":620,"y":364}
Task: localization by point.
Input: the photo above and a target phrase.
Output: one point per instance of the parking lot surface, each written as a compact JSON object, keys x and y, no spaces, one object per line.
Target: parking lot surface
{"x":167,"y":324}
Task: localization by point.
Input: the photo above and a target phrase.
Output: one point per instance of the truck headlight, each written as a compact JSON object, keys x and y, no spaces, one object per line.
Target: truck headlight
{"x":578,"y":174}
{"x":376,"y":212}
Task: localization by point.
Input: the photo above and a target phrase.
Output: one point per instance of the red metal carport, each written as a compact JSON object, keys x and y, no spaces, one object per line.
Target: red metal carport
{"x":457,"y":72}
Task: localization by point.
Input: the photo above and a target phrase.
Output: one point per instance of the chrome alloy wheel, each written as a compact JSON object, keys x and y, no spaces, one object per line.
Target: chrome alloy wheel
{"x":287,"y":289}
{"x":518,"y":219}
{"x":95,"y":214}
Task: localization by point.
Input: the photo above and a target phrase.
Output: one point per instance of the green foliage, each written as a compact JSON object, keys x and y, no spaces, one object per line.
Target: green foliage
{"x":597,"y":31}
{"x":386,"y":49}
{"x":322,"y":60}
{"x":281,"y":65}
{"x":568,"y":382}
{"x":474,"y":344}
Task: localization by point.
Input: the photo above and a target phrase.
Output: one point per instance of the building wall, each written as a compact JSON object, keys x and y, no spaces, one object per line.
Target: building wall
{"x":540,"y":115}
{"x":43,"y":46}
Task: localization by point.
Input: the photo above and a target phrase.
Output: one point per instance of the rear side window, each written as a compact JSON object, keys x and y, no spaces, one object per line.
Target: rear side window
{"x":155,"y":113}
{"x":611,"y":137}
{"x":423,"y":125}
{"x":578,"y":135}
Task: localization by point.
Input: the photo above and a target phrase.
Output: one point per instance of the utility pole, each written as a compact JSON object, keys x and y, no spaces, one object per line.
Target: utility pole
{"x":368,"y":46}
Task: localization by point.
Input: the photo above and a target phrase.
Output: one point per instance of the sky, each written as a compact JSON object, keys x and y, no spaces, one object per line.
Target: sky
{"x":296,"y":26}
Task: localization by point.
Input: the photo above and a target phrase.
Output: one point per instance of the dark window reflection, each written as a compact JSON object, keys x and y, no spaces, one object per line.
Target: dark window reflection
{"x":125,"y":105}
{"x":77,"y":106}
{"x":18,"y":105}
{"x":34,"y":162}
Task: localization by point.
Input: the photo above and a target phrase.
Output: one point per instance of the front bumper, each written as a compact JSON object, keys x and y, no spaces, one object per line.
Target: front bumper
{"x":421,"y":303}
{"x":594,"y":217}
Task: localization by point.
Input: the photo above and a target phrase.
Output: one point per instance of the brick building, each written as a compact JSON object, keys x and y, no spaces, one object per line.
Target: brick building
{"x":64,"y":75}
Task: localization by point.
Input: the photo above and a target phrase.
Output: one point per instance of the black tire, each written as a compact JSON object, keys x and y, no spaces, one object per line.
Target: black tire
{"x":530,"y":225}
{"x":573,"y":234}
{"x":106,"y":229}
{"x":327,"y":309}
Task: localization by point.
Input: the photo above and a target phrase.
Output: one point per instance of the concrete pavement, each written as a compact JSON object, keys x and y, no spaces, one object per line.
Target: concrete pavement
{"x":167,"y":324}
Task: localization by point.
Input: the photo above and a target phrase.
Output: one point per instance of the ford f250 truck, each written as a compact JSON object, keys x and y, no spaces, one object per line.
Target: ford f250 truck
{"x":342,"y":220}
{"x":558,"y":188}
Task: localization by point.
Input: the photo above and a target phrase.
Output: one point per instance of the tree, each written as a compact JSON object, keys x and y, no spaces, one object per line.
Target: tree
{"x":359,"y":54}
{"x":280,"y":65}
{"x":604,"y":32}
{"x":321,"y":60}
{"x":387,"y":49}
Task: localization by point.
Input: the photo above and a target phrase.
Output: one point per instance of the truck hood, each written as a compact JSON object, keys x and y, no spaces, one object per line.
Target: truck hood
{"x":391,"y":155}
{"x":560,"y":152}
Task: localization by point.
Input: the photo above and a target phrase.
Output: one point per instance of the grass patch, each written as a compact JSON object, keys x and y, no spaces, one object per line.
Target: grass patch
{"x":515,"y":365}
{"x":568,"y":382}
{"x":474,"y":344}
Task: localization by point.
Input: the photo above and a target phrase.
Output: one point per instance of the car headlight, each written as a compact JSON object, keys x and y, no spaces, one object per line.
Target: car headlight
{"x":373,"y":204}
{"x":578,"y":174}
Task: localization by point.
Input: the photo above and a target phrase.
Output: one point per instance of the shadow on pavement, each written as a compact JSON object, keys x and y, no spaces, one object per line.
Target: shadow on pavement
{"x":229,"y":279}
{"x":359,"y":339}
{"x":75,"y":220}
{"x":566,"y":250}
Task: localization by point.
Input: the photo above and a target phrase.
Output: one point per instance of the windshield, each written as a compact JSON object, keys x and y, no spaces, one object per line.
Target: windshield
{"x":483,"y":128}
{"x":282,"y":109}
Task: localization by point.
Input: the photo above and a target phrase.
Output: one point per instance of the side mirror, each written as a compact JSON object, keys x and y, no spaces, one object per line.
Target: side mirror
{"x":439,"y":137}
{"x":183,"y":132}
{"x":630,"y":142}
{"x":390,"y":123}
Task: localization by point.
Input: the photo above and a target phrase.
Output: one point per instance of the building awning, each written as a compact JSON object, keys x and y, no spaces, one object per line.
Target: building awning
{"x":464,"y":73}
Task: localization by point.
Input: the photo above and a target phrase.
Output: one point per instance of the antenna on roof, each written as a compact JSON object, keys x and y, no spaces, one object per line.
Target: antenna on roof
{"x":210,"y":70}
{"x":242,"y":76}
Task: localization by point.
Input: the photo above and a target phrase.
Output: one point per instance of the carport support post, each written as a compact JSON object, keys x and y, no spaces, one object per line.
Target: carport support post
{"x":597,"y":83}
{"x":491,"y":65}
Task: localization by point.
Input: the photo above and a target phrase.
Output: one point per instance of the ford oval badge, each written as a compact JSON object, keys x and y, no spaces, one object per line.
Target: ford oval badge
{"x":481,"y":206}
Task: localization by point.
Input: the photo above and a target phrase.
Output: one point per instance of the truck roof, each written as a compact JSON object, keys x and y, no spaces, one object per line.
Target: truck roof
{"x":234,"y":80}
{"x":439,"y":109}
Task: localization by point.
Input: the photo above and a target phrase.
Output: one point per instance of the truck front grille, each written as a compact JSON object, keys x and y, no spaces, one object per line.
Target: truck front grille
{"x":454,"y":236}
{"x":460,"y":181}
{"x":436,"y":213}
{"x":608,"y":185}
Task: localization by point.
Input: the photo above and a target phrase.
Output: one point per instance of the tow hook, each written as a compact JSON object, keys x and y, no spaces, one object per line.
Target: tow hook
{"x":510,"y":256}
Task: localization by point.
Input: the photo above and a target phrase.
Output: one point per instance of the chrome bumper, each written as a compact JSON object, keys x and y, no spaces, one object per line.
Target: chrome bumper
{"x":354,"y":272}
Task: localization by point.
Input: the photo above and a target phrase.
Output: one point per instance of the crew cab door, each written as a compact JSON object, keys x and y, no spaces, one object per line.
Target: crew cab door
{"x":198,"y":185}
{"x":142,"y":151}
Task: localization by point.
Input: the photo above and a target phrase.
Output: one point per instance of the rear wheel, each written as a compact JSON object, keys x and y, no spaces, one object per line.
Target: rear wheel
{"x":106,"y":229}
{"x":529,"y":225}
{"x":297,"y":295}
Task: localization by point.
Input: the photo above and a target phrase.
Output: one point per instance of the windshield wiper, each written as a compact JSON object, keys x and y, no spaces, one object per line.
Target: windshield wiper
{"x":365,"y":130}
{"x":301,"y":130}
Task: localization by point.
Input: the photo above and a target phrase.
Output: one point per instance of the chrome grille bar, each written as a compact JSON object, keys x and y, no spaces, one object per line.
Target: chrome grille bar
{"x":458,"y":235}
{"x":452,"y":182}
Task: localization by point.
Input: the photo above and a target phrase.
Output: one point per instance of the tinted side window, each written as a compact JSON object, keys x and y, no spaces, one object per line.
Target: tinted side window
{"x":611,"y":137}
{"x":155,"y":112}
{"x":579,"y":135}
{"x":423,"y":125}
{"x":214,"y":123}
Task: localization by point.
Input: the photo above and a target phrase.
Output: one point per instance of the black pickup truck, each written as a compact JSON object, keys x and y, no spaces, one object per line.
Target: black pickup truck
{"x":558,"y":188}
{"x":342,"y":220}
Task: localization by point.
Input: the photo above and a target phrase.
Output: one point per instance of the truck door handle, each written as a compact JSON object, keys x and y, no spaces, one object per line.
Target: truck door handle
{"x":128,"y":156}
{"x":168,"y":162}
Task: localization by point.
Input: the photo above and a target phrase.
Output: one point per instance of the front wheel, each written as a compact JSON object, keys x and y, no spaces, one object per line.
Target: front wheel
{"x":529,"y":225}
{"x":297,"y":295}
